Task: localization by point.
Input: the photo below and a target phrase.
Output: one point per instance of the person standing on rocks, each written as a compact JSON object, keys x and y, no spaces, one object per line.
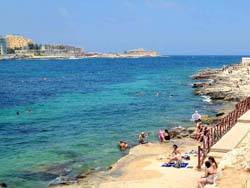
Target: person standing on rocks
{"x":196,"y":117}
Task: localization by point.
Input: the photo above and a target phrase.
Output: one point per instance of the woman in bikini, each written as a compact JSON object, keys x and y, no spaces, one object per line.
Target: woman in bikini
{"x":213,"y":162}
{"x":177,"y":154}
{"x":208,"y":178}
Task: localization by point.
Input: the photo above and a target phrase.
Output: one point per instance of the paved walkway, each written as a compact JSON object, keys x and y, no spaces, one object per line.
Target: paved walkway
{"x":233,"y":137}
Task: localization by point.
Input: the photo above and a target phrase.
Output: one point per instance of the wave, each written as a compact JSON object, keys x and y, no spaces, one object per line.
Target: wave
{"x":206,"y":99}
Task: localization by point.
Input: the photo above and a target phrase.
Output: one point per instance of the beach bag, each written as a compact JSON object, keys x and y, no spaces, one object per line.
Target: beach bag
{"x":177,"y":164}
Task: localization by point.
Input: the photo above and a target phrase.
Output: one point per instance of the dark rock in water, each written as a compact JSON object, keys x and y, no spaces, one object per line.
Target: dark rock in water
{"x":45,"y":172}
{"x":68,"y":154}
{"x":86,"y":174}
{"x":63,"y":180}
{"x":198,"y":92}
{"x":81,"y":176}
{"x":219,"y":114}
{"x":37,"y":176}
{"x":57,"y":169}
{"x":199,"y":84}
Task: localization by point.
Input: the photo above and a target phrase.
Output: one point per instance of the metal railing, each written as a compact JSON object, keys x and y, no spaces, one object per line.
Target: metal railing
{"x":221,"y":128}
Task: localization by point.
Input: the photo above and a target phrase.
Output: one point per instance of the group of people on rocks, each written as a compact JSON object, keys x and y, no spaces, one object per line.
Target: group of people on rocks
{"x":200,"y":134}
{"x":163,"y":136}
{"x":210,"y":173}
{"x":176,"y":157}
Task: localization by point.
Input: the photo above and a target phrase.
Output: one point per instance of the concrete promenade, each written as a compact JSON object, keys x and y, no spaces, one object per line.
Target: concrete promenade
{"x":233,"y":137}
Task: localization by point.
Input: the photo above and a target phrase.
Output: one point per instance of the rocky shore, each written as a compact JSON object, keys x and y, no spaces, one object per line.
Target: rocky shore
{"x":227,"y":85}
{"x":230,"y":83}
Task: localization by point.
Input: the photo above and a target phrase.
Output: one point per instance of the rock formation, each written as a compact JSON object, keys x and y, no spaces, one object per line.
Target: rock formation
{"x":231,"y":83}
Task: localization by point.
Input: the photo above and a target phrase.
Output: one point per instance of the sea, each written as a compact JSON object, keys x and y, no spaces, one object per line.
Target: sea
{"x":65,"y":117}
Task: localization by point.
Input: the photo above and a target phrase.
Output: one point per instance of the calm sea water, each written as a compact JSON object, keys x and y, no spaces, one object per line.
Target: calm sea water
{"x":72,"y":113}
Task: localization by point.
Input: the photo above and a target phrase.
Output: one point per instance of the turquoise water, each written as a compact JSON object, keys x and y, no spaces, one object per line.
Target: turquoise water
{"x":80,"y":109}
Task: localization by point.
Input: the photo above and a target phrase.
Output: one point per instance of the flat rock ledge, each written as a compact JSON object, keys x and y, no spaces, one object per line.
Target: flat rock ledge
{"x":231,"y":83}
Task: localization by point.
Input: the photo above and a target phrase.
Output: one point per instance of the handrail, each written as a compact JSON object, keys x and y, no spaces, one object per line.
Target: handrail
{"x":221,"y":128}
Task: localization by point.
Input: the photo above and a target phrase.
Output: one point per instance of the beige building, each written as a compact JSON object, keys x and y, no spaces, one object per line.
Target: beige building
{"x":17,"y":41}
{"x":245,"y":61}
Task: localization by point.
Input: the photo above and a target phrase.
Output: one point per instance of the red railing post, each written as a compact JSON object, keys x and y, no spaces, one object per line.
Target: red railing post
{"x":208,"y":142}
{"x":221,"y":128}
{"x":199,"y":157}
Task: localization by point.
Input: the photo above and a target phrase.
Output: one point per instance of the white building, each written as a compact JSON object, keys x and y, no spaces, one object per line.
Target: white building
{"x":3,"y":47}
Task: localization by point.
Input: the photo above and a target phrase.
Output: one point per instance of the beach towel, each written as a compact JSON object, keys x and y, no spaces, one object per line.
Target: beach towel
{"x":183,"y":165}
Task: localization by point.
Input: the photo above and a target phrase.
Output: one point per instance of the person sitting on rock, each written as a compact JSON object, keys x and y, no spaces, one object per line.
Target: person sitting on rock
{"x":213,"y":162}
{"x":166,"y":135}
{"x":141,"y":138}
{"x":208,"y":178}
{"x":176,"y":154}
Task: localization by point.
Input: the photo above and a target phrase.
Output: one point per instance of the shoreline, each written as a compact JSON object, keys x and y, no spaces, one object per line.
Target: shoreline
{"x":137,"y":167}
{"x":116,"y":170}
{"x":228,"y":84}
{"x":75,"y":58}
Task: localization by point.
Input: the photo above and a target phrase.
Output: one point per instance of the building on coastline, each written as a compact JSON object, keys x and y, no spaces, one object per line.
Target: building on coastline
{"x":140,"y":52}
{"x":61,"y":50}
{"x":3,"y":46}
{"x":17,"y":41}
{"x":57,"y":51}
{"x":245,"y":61}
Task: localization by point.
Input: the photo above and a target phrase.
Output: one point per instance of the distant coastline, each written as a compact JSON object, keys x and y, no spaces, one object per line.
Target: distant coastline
{"x":20,"y":47}
{"x":127,"y":54}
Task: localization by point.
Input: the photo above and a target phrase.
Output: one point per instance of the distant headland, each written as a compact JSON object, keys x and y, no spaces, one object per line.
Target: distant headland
{"x":20,"y":47}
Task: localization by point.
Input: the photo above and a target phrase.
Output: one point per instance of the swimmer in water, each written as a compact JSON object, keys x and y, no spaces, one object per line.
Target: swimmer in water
{"x":3,"y":185}
{"x":123,"y":145}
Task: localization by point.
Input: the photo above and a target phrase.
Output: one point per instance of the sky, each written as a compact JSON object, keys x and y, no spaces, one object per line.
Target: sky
{"x":170,"y":27}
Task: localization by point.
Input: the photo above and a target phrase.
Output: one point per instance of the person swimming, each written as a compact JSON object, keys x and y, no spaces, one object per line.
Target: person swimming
{"x":3,"y":185}
{"x":123,"y":145}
